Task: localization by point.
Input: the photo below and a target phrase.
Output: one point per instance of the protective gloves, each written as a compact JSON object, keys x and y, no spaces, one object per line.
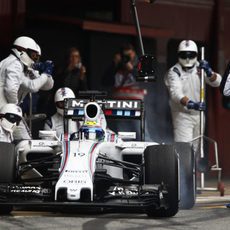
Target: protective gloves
{"x":205,"y":66}
{"x":44,"y":67}
{"x":49,"y":66}
{"x":196,"y":105}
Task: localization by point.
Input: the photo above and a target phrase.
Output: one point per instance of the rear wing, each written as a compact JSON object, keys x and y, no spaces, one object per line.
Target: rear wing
{"x":122,"y":109}
{"x":112,"y":109}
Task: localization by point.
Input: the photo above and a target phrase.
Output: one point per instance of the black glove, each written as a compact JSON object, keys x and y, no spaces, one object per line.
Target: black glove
{"x":44,"y":67}
{"x":206,"y":67}
{"x":201,"y":106}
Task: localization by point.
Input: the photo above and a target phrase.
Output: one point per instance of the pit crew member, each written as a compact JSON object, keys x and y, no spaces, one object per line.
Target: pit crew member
{"x":10,"y":116}
{"x":55,"y":122}
{"x":17,"y":77}
{"x":225,"y":83}
{"x":183,"y":83}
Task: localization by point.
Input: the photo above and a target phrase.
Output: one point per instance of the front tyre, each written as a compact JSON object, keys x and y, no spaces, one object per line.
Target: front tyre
{"x":161,"y":167}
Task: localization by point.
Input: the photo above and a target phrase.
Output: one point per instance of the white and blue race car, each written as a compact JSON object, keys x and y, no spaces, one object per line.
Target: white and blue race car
{"x":93,"y":167}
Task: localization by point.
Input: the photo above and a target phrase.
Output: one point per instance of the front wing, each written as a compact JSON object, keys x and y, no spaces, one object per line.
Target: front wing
{"x":33,"y":197}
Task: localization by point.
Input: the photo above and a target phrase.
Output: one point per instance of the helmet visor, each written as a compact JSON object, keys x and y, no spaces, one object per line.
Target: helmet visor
{"x":60,"y":104}
{"x":33,"y":55}
{"x":187,"y":55}
{"x":12,"y":118}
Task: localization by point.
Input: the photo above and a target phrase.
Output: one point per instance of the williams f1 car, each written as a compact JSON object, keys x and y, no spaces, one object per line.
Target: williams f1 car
{"x":92,"y":168}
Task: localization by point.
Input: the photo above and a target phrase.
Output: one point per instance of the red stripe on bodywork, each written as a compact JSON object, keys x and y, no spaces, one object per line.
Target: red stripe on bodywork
{"x":91,"y":156}
{"x":65,"y":136}
{"x":66,"y":155}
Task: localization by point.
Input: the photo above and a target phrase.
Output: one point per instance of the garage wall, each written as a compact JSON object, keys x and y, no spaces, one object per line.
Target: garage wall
{"x":12,"y":18}
{"x":206,"y":21}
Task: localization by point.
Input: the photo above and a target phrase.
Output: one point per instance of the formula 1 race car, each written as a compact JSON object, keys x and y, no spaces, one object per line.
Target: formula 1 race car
{"x":89,"y":168}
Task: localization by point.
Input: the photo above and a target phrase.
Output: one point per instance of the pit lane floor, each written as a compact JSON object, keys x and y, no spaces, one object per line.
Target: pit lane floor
{"x":209,"y":212}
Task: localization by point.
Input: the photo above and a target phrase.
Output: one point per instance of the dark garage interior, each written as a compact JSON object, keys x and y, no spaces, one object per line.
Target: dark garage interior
{"x":98,"y":28}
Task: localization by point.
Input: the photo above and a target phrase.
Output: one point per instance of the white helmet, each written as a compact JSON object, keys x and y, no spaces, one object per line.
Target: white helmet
{"x":26,"y":49}
{"x":39,"y":53}
{"x":11,"y":115}
{"x":60,"y":95}
{"x":39,"y":50}
{"x":187,"y":53}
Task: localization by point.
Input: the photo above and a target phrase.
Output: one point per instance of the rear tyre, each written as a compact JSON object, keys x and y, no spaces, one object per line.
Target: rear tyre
{"x":161,"y":166}
{"x":187,"y":174}
{"x":7,"y":170}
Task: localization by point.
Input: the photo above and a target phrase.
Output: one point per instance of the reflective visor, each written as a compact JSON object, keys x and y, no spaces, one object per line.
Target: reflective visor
{"x":33,"y":55}
{"x":60,"y":104}
{"x":12,"y":118}
{"x":187,"y":54}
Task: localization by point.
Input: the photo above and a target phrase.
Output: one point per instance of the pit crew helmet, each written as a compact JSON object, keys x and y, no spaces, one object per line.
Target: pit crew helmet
{"x":39,"y":52}
{"x":27,"y":50}
{"x":11,"y":116}
{"x":187,"y":53}
{"x":60,"y":95}
{"x":91,"y":133}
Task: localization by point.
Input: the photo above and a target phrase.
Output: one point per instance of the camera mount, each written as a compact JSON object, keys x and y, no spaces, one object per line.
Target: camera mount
{"x":146,"y":62}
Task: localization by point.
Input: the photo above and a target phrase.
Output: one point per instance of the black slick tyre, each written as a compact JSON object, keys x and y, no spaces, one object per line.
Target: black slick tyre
{"x":161,"y":167}
{"x":187,"y":174}
{"x":7,"y":171}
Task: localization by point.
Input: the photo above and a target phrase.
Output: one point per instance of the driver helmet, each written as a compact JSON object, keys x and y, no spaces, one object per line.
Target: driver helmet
{"x":60,"y":95}
{"x":92,"y":133}
{"x":11,"y":116}
{"x":27,"y":50}
{"x":187,"y":53}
